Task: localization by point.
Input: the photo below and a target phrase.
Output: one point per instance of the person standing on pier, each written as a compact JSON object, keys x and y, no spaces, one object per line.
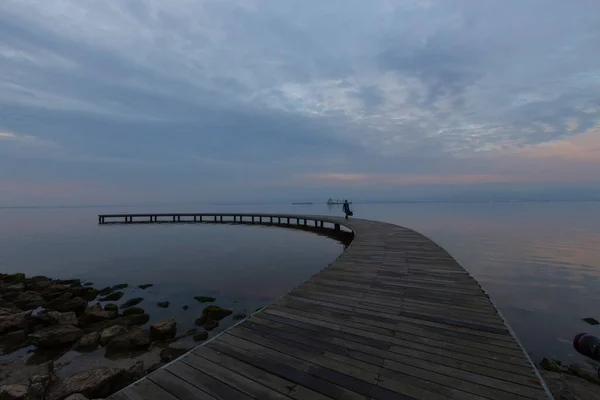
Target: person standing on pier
{"x":346,"y":208}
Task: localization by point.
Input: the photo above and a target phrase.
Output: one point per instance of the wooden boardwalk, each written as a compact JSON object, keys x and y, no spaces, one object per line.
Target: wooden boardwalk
{"x":394,"y":317}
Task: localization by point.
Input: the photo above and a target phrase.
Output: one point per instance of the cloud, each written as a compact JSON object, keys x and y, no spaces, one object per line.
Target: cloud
{"x":24,"y":139}
{"x":383,"y":91}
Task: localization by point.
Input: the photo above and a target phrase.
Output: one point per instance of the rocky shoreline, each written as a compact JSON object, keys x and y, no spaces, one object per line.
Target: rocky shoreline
{"x":577,"y":381}
{"x":45,"y":318}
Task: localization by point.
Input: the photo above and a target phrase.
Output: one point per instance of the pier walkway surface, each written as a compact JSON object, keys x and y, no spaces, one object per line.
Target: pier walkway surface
{"x":393,"y":317}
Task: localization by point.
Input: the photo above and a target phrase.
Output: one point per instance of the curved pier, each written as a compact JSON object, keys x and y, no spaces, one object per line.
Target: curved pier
{"x":393,"y":317}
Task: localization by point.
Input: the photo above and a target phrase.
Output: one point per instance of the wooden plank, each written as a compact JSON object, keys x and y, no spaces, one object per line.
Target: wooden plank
{"x":205,"y":382}
{"x":146,"y":390}
{"x":274,"y":382}
{"x":177,"y":386}
{"x":233,"y":379}
{"x":285,"y":371}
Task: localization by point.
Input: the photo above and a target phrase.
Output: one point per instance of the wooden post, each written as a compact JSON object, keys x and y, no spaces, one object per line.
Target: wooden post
{"x":200,"y":218}
{"x":194,"y":218}
{"x":337,"y":227}
{"x":215,"y":218}
{"x":221,"y":218}
{"x":321,"y":224}
{"x":297,"y":221}
{"x":316,"y":222}
{"x":304,"y":221}
{"x":173,"y":218}
{"x":260,"y":220}
{"x":179,"y":218}
{"x":288,"y":220}
{"x":253,"y":219}
{"x":271,"y":219}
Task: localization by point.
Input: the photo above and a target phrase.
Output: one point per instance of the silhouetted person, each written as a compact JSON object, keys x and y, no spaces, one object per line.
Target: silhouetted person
{"x":346,"y":208}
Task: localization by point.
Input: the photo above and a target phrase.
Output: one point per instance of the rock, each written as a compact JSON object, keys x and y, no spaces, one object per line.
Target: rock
{"x":127,"y":320}
{"x":133,"y":310}
{"x":550,"y":364}
{"x":38,"y":387}
{"x":105,"y":291}
{"x":13,"y":392}
{"x":585,"y":371}
{"x":211,"y":324}
{"x":14,"y":288}
{"x":204,"y":299}
{"x":13,"y":341}
{"x":163,"y":330}
{"x":66,"y":302}
{"x":87,"y":342}
{"x":145,"y":286}
{"x":134,"y":339}
{"x":199,"y":337}
{"x":99,"y":382}
{"x":111,"y":307}
{"x":88,"y":284}
{"x":110,"y":333}
{"x":76,"y":396}
{"x":215,"y":313}
{"x":569,"y":387}
{"x":238,"y":316}
{"x":14,"y":322}
{"x":163,"y":304}
{"x":85,"y":293}
{"x":13,"y":278}
{"x":112,"y":297}
{"x":75,"y":282}
{"x":132,"y":302}
{"x":154,"y":367}
{"x":95,"y":313}
{"x":56,"y":336}
{"x":135,"y":371}
{"x":185,"y":307}
{"x":591,"y":321}
{"x":51,"y":291}
{"x":29,"y":300}
{"x":169,"y":354}
{"x":58,"y":318}
{"x":120,"y":286}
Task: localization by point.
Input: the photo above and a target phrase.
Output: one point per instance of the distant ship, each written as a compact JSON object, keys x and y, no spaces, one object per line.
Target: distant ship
{"x":336,"y":201}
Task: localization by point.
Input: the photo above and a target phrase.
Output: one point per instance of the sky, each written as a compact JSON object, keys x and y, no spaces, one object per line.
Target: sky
{"x":114,"y":102}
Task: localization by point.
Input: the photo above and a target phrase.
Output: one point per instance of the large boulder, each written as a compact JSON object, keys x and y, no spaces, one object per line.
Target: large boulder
{"x":99,"y":382}
{"x":132,"y":302}
{"x":13,"y":392}
{"x":87,"y":342}
{"x":29,"y":300}
{"x":586,"y":372}
{"x":12,"y":341}
{"x":128,"y":320}
{"x":58,"y":318}
{"x":133,"y":310}
{"x":163,"y":330}
{"x":53,"y":290}
{"x":111,"y":332}
{"x":95,"y":313}
{"x":134,"y":339}
{"x":568,"y":387}
{"x":212,"y":313}
{"x":66,"y":303}
{"x":14,"y":322}
{"x":56,"y":336}
{"x":12,"y":288}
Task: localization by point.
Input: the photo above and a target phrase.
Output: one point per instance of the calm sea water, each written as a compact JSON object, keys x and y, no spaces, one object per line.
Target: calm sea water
{"x":540,"y":262}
